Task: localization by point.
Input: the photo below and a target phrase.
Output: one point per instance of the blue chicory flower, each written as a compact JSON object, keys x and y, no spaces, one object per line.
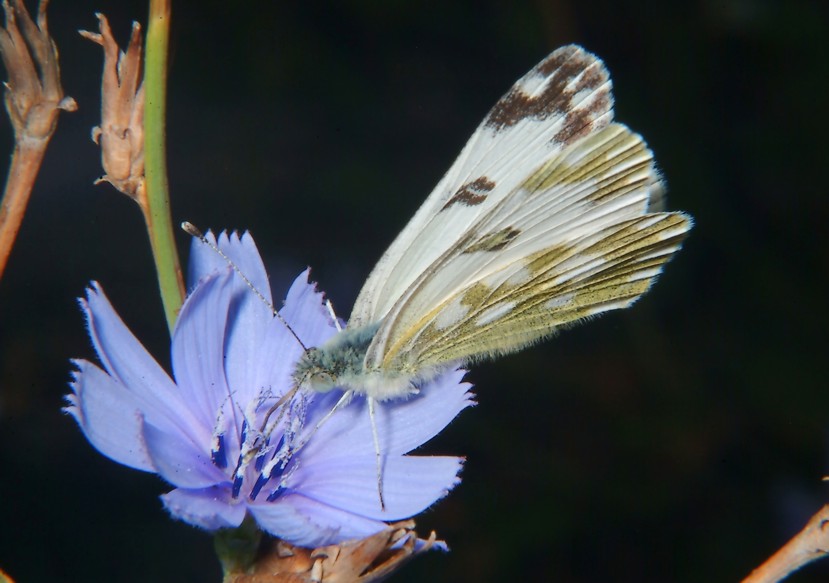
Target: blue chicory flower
{"x":212,"y":432}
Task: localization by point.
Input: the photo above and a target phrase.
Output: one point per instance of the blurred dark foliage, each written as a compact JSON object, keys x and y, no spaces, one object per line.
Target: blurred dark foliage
{"x":682,"y":440}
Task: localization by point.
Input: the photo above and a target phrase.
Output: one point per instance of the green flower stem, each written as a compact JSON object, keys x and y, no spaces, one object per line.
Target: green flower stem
{"x":237,"y":548}
{"x":157,"y":213}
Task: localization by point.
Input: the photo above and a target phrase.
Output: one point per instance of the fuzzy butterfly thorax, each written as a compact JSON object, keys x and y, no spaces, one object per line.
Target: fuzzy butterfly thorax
{"x":341,"y":363}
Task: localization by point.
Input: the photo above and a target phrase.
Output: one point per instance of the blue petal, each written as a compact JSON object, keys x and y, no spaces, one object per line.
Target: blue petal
{"x":410,"y":483}
{"x":181,"y":463}
{"x":198,"y":350}
{"x":209,"y":508}
{"x":307,"y":523}
{"x":248,"y":314}
{"x":306,"y":312}
{"x":415,"y":421}
{"x":280,"y":350}
{"x":246,"y":317}
{"x":402,"y":425}
{"x":131,"y":365}
{"x":109,"y":416}
{"x":242,"y":251}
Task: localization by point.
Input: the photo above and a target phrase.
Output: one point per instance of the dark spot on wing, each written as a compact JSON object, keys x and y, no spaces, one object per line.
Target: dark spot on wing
{"x":566,"y":72}
{"x":556,"y":60}
{"x":472,"y":193}
{"x":494,"y":241}
{"x":580,"y":122}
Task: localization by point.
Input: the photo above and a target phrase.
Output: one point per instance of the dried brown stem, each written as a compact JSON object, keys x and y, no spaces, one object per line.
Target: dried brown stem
{"x":363,"y":561}
{"x":810,"y":544}
{"x":23,"y":170}
{"x":33,"y":98}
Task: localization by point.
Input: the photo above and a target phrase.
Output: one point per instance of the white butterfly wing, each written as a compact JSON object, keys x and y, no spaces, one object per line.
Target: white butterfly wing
{"x":564,"y":98}
{"x":530,"y":299}
{"x":574,"y":240}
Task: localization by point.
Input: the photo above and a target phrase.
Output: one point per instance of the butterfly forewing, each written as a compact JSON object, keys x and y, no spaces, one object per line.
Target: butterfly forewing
{"x":563,"y":99}
{"x":568,"y":216}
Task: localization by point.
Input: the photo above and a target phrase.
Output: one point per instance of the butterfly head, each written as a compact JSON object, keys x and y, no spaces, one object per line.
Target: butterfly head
{"x":311,"y":373}
{"x":336,"y":362}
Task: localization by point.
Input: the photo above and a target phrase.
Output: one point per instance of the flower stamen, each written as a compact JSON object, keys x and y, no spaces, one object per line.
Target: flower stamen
{"x":218,"y":453}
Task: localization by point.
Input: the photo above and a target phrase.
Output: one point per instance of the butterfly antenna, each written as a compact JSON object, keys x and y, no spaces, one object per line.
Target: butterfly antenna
{"x":194,"y":231}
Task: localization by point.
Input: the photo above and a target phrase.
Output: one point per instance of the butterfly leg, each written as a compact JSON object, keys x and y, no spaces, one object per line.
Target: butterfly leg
{"x":333,"y":314}
{"x":376,"y":438}
{"x":344,"y":400}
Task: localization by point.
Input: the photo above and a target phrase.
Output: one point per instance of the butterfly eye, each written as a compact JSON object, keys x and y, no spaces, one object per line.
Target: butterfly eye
{"x":321,"y":381}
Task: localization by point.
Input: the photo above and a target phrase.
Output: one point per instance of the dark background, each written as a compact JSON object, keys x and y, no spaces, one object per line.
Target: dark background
{"x":682,"y":440}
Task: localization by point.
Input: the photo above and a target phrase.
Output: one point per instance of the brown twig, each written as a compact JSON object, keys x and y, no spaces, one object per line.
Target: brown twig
{"x":810,"y":544}
{"x":33,"y":97}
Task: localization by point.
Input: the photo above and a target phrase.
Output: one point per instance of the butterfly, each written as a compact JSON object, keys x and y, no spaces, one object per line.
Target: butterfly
{"x":551,"y":214}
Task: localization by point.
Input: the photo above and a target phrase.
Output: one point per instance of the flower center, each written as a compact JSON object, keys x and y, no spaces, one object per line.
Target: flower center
{"x":259,"y":461}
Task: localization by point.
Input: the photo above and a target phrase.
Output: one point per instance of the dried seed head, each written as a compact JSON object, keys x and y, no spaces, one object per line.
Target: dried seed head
{"x":121,"y":133}
{"x":361,"y":561}
{"x":34,"y":95}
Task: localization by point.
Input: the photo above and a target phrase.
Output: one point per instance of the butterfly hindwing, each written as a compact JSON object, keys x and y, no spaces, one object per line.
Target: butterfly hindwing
{"x":505,"y":313}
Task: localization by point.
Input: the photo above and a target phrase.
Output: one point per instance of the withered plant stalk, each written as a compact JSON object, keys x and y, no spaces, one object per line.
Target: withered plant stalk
{"x":33,"y":98}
